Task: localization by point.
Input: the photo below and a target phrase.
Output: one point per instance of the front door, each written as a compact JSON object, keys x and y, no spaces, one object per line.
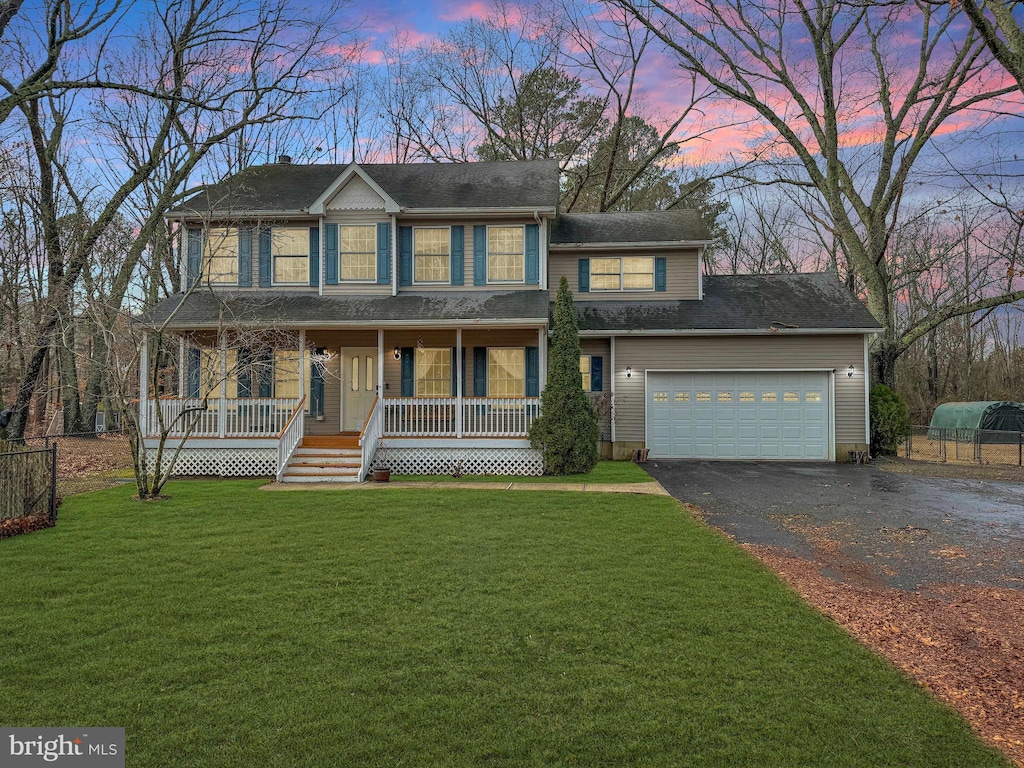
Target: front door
{"x":358,"y":386}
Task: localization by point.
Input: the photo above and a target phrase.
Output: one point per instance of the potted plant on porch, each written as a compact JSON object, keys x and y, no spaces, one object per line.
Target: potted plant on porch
{"x":381,"y":465}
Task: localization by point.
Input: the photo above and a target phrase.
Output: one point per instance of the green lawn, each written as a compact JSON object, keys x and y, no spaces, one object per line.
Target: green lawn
{"x":604,"y":472}
{"x":230,"y":627}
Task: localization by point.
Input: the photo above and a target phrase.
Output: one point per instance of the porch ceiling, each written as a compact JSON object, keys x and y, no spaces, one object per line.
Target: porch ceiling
{"x":469,"y":308}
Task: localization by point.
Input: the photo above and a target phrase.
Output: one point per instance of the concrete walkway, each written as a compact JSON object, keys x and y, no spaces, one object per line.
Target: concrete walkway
{"x":645,"y":489}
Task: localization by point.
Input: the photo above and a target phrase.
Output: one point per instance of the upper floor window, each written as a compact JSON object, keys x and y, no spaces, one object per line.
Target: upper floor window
{"x":431,"y":254}
{"x":290,"y":251}
{"x":626,"y":273}
{"x":506,"y":372}
{"x":359,"y":253}
{"x":434,"y":372}
{"x":506,"y":255}
{"x":220,"y":256}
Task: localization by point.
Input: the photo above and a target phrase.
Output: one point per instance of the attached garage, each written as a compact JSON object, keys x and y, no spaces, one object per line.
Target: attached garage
{"x":739,"y":415}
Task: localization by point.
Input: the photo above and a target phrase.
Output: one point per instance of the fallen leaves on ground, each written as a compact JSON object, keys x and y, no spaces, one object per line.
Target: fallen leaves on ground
{"x":964,"y":643}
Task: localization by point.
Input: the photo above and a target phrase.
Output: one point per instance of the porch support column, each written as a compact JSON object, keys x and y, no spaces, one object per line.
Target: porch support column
{"x":302,"y":364}
{"x":611,"y":379}
{"x":380,"y":363}
{"x":144,"y":386}
{"x":458,"y":382}
{"x":542,"y":354}
{"x":182,"y":366}
{"x":222,"y":416}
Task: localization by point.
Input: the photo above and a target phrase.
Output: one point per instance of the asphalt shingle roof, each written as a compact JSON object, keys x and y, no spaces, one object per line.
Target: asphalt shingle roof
{"x":202,"y":308}
{"x":739,"y":302}
{"x":280,"y":188}
{"x":628,"y":227}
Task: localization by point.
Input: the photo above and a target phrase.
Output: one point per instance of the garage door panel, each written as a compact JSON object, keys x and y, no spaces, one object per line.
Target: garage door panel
{"x":744,"y":415}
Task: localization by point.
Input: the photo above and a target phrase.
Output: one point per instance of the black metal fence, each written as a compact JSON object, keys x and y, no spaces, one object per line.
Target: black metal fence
{"x":965,"y":446}
{"x":90,"y":461}
{"x":28,"y":488}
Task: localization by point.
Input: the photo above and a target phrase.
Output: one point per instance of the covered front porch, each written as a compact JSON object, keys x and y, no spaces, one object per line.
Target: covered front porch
{"x":421,"y":400}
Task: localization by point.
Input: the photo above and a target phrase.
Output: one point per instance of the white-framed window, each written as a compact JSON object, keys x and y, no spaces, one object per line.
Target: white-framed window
{"x":358,"y":253}
{"x":506,"y":372}
{"x":434,"y":372}
{"x":506,"y":254}
{"x":286,"y":373}
{"x":622,"y":273}
{"x":220,"y":255}
{"x":585,"y":372}
{"x":289,"y":248}
{"x":431,"y":254}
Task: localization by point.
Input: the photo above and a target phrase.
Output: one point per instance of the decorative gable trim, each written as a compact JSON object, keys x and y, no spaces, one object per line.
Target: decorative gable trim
{"x":319,"y":205}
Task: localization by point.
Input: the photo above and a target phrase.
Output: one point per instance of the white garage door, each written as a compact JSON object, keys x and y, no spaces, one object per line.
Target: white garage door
{"x":738,"y":415}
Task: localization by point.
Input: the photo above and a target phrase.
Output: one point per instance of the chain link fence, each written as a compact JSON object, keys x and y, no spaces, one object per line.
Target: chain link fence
{"x":28,"y":488}
{"x":90,"y":461}
{"x":965,"y":446}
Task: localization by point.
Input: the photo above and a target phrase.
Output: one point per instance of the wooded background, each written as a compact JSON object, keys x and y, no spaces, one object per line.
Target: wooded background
{"x":877,"y":140}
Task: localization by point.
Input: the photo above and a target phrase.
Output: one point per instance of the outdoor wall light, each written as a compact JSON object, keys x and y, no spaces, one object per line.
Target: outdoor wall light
{"x":398,"y":353}
{"x":629,"y":372}
{"x":849,"y":372}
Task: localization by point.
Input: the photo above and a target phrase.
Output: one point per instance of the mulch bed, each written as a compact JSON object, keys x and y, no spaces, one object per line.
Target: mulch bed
{"x":965,"y":644}
{"x":27,"y":524}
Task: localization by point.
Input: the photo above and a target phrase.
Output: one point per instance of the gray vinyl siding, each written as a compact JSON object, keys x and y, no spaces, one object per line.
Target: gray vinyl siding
{"x":740,"y":353}
{"x":348,"y":218}
{"x":682,"y":274}
{"x":467,"y":255}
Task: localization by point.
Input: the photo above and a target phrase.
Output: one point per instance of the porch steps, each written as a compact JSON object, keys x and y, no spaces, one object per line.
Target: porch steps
{"x":318,"y":464}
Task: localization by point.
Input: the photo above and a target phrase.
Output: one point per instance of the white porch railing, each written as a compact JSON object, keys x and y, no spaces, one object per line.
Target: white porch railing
{"x":419,"y":416}
{"x":373,"y":429}
{"x":244,"y":417}
{"x":481,"y":416}
{"x":499,"y":416}
{"x":290,"y":437}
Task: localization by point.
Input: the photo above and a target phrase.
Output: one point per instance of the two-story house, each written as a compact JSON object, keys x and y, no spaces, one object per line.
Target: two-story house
{"x":335,"y":309}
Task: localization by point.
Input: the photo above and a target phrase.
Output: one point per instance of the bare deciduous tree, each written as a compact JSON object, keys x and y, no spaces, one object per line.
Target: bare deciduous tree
{"x":847,"y":114}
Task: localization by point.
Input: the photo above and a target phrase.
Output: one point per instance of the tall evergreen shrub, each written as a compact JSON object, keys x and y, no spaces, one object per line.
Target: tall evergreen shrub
{"x":890,"y":420}
{"x":566,"y":432}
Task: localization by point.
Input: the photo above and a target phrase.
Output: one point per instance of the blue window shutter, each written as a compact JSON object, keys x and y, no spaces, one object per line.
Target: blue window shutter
{"x":331,"y":253}
{"x":266,"y":368}
{"x":265,"y":263}
{"x":584,"y":283}
{"x":480,"y":254}
{"x":479,"y":371}
{"x":314,"y":255}
{"x":596,"y":373}
{"x":532,"y":254}
{"x":458,"y":256}
{"x":194,"y":371}
{"x":244,"y":257}
{"x":194,"y":246}
{"x":316,"y":390}
{"x":659,"y":273}
{"x":244,"y":373}
{"x":455,"y":374}
{"x":383,"y":252}
{"x":532,"y":372}
{"x":405,"y":255}
{"x":408,"y":373}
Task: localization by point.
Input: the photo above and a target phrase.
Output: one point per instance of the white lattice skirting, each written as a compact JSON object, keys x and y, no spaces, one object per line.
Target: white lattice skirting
{"x":222,"y":462}
{"x":467,"y":461}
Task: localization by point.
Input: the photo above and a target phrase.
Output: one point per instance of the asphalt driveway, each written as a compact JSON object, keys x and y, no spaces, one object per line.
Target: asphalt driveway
{"x":867,"y":525}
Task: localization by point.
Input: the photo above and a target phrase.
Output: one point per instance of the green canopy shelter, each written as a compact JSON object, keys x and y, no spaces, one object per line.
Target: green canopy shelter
{"x":1001,"y":421}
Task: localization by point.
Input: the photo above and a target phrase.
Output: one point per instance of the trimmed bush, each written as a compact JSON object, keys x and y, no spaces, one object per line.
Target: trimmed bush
{"x":890,"y":420}
{"x":567,"y":430}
